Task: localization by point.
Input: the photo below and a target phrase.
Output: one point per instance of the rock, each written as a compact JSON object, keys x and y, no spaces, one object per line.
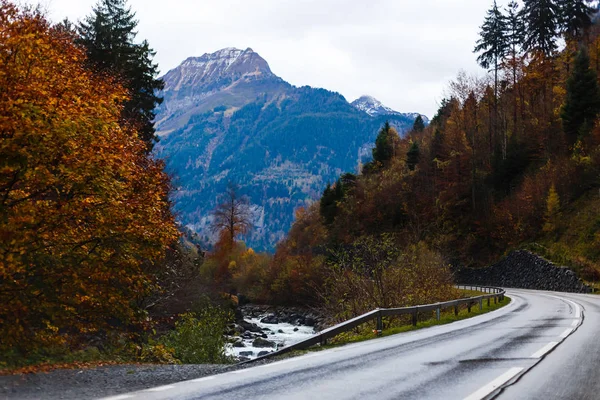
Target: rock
{"x":239,"y":344}
{"x":263,"y":353}
{"x":242,"y":359}
{"x":248,"y":326}
{"x":280,"y":331}
{"x":260,"y":342}
{"x":246,"y":353}
{"x":270,"y":319}
{"x":309,"y":321}
{"x":264,"y":336}
{"x":296,"y":329}
{"x":525,"y":270}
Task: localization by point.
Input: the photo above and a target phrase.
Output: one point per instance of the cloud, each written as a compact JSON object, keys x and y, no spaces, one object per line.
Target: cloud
{"x":401,"y":51}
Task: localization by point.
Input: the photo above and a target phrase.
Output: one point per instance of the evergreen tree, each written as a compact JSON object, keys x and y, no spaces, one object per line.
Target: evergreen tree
{"x":493,"y":46}
{"x":515,"y":36}
{"x":575,"y":17}
{"x":108,"y":36}
{"x":413,"y":156}
{"x":385,"y":144}
{"x":582,"y":104}
{"x":541,"y":18}
{"x":419,"y":125}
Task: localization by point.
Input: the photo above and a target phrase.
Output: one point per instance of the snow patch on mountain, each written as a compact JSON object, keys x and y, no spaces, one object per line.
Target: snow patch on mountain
{"x":374,"y":108}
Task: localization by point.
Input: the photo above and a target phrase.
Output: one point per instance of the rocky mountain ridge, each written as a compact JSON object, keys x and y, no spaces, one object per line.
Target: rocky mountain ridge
{"x":227,"y":118}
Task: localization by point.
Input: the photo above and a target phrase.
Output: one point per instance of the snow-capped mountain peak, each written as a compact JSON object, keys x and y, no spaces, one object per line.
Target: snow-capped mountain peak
{"x":374,"y":108}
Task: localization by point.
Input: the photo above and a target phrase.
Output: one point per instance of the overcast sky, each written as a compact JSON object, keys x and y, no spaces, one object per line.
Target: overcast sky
{"x":402,"y":52}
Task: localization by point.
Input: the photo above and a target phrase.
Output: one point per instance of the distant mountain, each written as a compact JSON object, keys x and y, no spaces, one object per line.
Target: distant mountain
{"x":375,"y":108}
{"x":227,"y":117}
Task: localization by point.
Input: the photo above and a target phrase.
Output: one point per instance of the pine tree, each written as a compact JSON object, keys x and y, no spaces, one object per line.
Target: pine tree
{"x":515,"y":36}
{"x":419,"y":125}
{"x":413,"y":156}
{"x":108,"y":36}
{"x":541,"y":18}
{"x":575,"y":17}
{"x":385,"y":144}
{"x":583,"y":99}
{"x":493,"y":46}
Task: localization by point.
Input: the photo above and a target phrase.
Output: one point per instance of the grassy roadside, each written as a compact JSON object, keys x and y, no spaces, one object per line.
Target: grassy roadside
{"x":399,"y":326}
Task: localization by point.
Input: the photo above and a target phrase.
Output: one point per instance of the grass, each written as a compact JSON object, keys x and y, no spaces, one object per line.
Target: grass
{"x":366,"y":330}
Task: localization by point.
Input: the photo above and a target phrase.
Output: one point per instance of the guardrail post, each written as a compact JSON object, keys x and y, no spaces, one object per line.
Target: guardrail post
{"x":456,"y":310}
{"x":379,"y":324}
{"x":437,"y":313}
{"x":414,"y":318}
{"x":480,"y":303}
{"x":469,"y":307}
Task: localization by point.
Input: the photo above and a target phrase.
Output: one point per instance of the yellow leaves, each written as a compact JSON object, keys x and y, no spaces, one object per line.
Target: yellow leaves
{"x":86,"y":206}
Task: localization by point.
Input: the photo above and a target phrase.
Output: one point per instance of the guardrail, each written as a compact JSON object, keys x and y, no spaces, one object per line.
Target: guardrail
{"x":491,"y":293}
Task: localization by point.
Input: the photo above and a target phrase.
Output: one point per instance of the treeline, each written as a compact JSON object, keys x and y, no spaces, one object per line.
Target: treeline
{"x":500,"y":159}
{"x":84,"y":213}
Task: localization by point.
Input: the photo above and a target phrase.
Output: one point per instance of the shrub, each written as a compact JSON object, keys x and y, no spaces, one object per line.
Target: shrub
{"x":199,"y":337}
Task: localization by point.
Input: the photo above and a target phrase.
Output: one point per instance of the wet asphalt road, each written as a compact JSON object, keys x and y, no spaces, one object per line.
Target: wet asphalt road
{"x":543,"y":345}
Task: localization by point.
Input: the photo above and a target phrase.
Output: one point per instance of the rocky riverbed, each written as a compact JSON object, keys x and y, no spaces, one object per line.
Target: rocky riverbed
{"x":260,"y":330}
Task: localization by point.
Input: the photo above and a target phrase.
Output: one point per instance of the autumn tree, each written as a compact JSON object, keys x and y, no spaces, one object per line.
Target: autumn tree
{"x":232,"y":216}
{"x":108,"y":36}
{"x":81,"y":205}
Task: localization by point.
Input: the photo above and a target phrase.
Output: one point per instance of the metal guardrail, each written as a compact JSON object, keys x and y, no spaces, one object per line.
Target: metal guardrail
{"x":491,"y":293}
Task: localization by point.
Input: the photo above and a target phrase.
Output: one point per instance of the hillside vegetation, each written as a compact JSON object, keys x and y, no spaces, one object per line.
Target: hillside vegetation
{"x":507,"y":161}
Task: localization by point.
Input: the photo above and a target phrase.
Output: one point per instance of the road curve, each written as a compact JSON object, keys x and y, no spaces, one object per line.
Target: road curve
{"x":541,"y":346}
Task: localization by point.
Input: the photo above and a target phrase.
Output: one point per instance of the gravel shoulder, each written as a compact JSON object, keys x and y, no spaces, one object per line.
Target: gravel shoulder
{"x":100,"y":382}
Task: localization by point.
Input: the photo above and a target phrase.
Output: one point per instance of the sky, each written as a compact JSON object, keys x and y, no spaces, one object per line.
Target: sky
{"x":402,"y":52}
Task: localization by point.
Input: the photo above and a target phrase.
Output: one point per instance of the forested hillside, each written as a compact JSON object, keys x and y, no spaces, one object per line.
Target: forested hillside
{"x":227,"y":118}
{"x":501,"y":160}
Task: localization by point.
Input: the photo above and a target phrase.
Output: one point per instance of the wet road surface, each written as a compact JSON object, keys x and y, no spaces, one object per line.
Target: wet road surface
{"x":543,"y":345}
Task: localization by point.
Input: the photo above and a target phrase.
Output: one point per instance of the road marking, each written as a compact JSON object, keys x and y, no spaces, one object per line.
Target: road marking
{"x":239,"y":371}
{"x":161,"y":388}
{"x":566,"y":333}
{"x":540,"y":353}
{"x":119,"y":397}
{"x":206,"y":378}
{"x":495,"y":384}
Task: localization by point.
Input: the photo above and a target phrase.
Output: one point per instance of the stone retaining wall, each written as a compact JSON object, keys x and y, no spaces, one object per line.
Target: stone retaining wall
{"x":525,"y":270}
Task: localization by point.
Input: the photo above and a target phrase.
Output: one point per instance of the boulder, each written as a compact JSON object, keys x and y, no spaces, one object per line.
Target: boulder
{"x":263,"y":353}
{"x":246,"y":353}
{"x":260,"y":342}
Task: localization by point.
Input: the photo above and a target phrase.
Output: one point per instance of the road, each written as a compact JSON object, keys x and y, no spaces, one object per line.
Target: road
{"x":544,"y":345}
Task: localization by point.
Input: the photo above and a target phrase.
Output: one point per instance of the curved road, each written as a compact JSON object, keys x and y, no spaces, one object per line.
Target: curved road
{"x":544,"y":345}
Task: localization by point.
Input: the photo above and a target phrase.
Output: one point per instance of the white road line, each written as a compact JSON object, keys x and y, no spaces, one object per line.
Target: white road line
{"x":540,"y":353}
{"x":495,"y":384}
{"x":119,"y":397}
{"x":239,"y":371}
{"x":566,"y":333}
{"x":206,"y":378}
{"x":160,"y":388}
{"x":574,"y":323}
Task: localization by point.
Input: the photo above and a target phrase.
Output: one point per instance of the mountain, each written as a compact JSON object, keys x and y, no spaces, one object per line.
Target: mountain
{"x":227,"y":118}
{"x":375,"y":108}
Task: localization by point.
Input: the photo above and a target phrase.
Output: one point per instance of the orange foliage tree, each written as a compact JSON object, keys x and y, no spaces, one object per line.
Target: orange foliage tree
{"x":81,"y":206}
